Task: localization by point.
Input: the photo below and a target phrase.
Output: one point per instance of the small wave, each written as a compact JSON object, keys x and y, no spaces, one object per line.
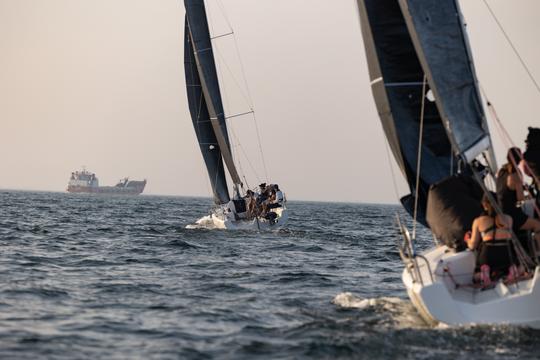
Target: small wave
{"x":304,"y":276}
{"x":153,"y":230}
{"x":349,"y":301}
{"x":203,"y":223}
{"x":183,"y":244}
{"x":397,"y":312}
{"x":39,"y":292}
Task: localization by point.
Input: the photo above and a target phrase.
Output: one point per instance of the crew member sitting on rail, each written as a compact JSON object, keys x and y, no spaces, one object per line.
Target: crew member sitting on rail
{"x":492,"y":237}
{"x":277,"y":198}
{"x":510,"y":194}
{"x":262,"y":195}
{"x":251,"y":204}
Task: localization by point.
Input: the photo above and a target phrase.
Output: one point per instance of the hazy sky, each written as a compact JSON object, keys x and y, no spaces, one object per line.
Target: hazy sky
{"x":100,"y":83}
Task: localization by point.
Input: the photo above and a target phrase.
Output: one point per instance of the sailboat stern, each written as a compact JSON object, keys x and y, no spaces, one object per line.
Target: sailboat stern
{"x":222,"y":219}
{"x":447,"y":296}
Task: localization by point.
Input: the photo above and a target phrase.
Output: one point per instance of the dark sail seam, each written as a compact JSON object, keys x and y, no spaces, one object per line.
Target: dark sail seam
{"x":397,"y":84}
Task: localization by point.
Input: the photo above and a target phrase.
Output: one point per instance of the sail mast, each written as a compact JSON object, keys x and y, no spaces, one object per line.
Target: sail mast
{"x":201,"y":42}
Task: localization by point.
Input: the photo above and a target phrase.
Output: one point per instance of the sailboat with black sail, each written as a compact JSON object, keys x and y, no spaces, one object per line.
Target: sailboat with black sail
{"x":426,"y":92}
{"x":244,"y":210}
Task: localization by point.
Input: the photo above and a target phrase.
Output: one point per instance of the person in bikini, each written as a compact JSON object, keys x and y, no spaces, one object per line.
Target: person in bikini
{"x":492,"y":237}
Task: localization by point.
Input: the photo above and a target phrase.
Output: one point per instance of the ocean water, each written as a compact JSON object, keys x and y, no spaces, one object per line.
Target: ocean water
{"x":92,"y":277}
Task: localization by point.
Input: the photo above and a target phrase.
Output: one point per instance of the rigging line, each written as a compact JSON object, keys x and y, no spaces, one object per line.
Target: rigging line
{"x":222,"y":35}
{"x":243,"y":70}
{"x":251,"y":105}
{"x":238,"y":160}
{"x":504,"y":135}
{"x":260,"y":146}
{"x":237,"y":48}
{"x":245,"y":155}
{"x":222,"y":84}
{"x":526,"y":165}
{"x":246,"y":84}
{"x":513,"y":47}
{"x":509,"y":143}
{"x":227,"y":100}
{"x":224,"y":62}
{"x":248,"y":98}
{"x":419,"y":158}
{"x":224,"y":13}
{"x":238,"y":115}
{"x":392,"y":173}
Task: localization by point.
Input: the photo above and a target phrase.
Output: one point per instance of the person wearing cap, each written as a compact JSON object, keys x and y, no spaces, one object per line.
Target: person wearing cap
{"x":263,"y":194}
{"x":277,"y":198}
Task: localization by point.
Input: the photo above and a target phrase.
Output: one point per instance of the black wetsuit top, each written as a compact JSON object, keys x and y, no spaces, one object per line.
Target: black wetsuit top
{"x":497,"y":253}
{"x":508,"y":200}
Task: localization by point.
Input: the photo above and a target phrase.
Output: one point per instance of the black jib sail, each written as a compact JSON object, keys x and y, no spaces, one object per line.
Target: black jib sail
{"x":397,"y":81}
{"x":205,"y":101}
{"x":438,"y":34}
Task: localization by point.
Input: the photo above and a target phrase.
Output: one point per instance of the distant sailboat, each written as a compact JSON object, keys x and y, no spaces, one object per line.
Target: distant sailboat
{"x":209,"y":121}
{"x":425,"y":88}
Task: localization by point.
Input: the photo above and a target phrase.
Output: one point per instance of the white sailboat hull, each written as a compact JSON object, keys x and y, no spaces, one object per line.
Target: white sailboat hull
{"x":439,"y":300}
{"x":218,"y":220}
{"x":223,"y":222}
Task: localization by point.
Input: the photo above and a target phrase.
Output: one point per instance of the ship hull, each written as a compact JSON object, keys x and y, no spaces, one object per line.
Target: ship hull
{"x":109,"y":190}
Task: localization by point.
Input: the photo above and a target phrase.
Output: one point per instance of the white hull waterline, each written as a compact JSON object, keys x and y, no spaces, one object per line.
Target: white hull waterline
{"x":439,"y":284}
{"x":218,"y":220}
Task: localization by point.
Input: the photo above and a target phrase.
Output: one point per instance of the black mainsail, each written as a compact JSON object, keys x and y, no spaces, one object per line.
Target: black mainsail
{"x":439,"y":37}
{"x":205,"y":102}
{"x":397,"y":81}
{"x":422,"y":74}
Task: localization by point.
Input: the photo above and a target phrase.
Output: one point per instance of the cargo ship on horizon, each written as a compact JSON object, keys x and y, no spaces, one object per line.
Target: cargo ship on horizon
{"x":87,"y":182}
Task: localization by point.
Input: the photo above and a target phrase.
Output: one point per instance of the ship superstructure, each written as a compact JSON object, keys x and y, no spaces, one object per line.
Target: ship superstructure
{"x":86,"y":182}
